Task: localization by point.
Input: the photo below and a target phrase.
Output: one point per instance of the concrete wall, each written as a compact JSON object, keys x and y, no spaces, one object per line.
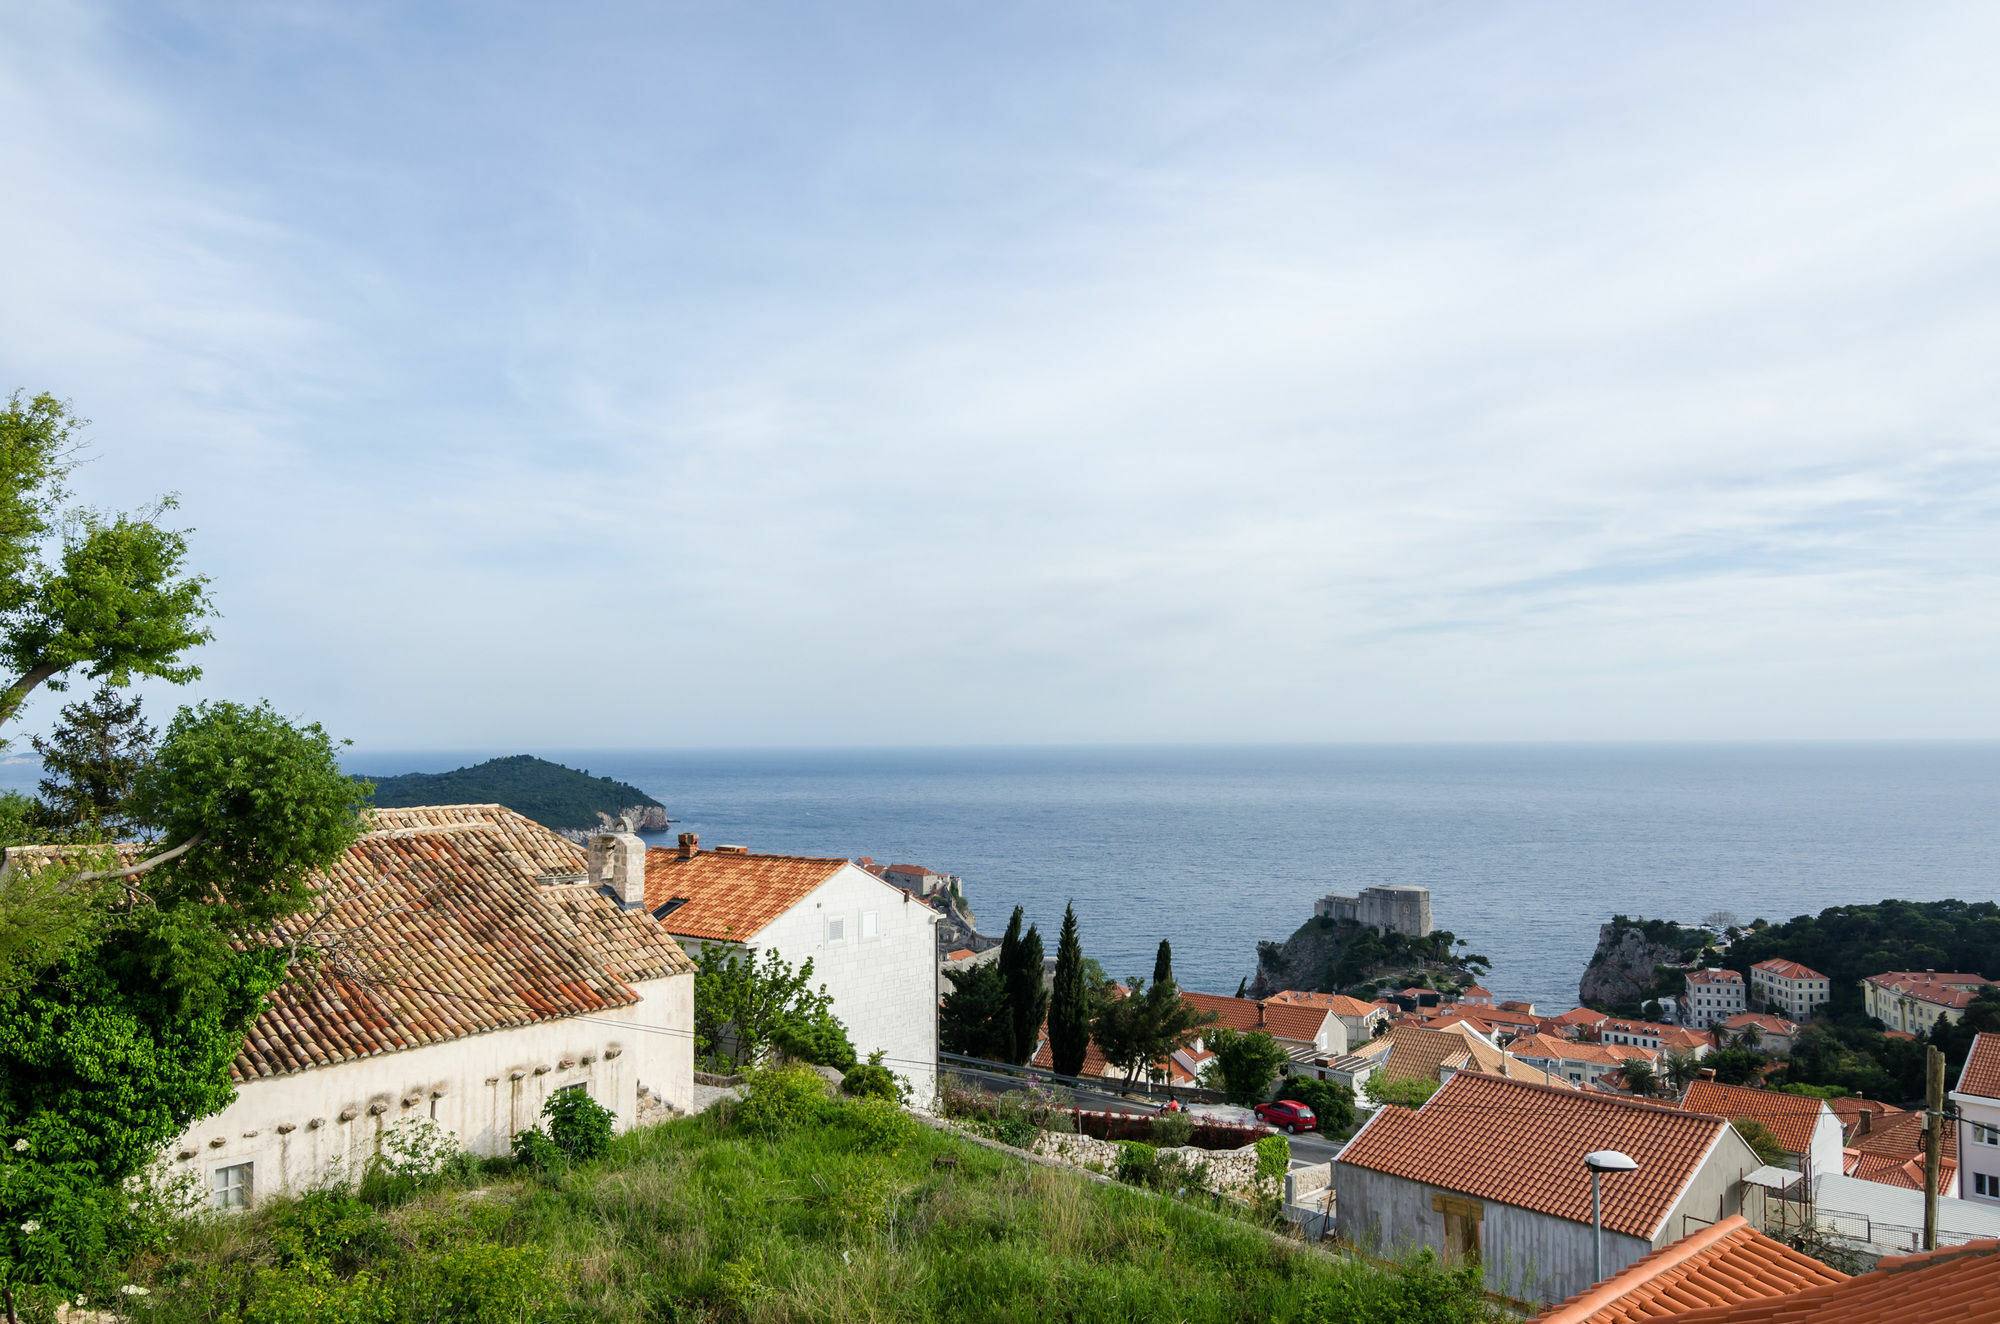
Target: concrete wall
{"x":884,"y":988}
{"x":302,"y":1130}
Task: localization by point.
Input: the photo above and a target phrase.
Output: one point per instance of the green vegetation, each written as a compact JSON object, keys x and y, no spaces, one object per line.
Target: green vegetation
{"x":1758,"y":1136}
{"x":1849,"y":943}
{"x":1402,"y":1093}
{"x":1149,"y":1024}
{"x":743,"y":1010}
{"x":1070,"y":1002}
{"x":804,"y":1208}
{"x":1244,"y":1065}
{"x":90,"y":766}
{"x":1027,"y":1001}
{"x":551,"y":794}
{"x":1332,"y":1103}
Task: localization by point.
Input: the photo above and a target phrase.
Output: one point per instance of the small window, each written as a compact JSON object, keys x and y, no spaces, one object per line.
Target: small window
{"x":1986,"y":1186}
{"x":868,"y":927}
{"x":578,"y":1088}
{"x":1985,"y":1135}
{"x":836,"y":929}
{"x":231,"y":1188}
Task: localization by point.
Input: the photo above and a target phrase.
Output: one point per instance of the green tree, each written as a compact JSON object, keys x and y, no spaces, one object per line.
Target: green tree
{"x":115,"y":1044}
{"x":91,"y":762}
{"x":975,"y":1018}
{"x":1640,"y":1077}
{"x":743,"y":1010}
{"x":1069,"y":1002}
{"x":1758,"y":1136}
{"x":1244,"y":1065}
{"x":1735,"y":1066}
{"x":1027,"y":996}
{"x":1332,"y":1103}
{"x":1139,"y":1031}
{"x":1681,"y":1069}
{"x":1163,"y":965}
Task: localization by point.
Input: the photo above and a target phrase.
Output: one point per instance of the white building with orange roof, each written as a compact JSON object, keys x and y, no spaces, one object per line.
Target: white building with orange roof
{"x":1712,"y":995}
{"x":1789,"y":988}
{"x":873,"y":946}
{"x":1911,"y":1001}
{"x":1977,"y":1095}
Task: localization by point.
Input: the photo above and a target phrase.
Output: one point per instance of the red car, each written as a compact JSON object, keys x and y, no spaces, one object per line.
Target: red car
{"x":1287,"y":1115}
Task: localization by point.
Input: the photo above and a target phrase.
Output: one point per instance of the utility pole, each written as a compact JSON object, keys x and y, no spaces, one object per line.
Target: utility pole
{"x":1933,"y":1141}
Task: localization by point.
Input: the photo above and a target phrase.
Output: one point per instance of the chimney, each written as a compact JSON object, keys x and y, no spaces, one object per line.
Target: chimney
{"x":618,"y":866}
{"x":1260,"y":1015}
{"x":1708,"y":1073}
{"x":690,"y":843}
{"x":1866,"y":1124}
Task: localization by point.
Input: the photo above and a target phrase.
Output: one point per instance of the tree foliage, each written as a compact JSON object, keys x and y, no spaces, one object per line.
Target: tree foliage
{"x":553,"y":795}
{"x":1027,"y":999}
{"x":1244,"y":1065}
{"x":1139,"y":1031}
{"x":1069,"y":1002}
{"x":1402,"y":1093}
{"x":1849,"y":943}
{"x":743,"y":1010}
{"x":974,"y":1018}
{"x":1760,"y":1139}
{"x":91,"y":762}
{"x":1332,"y":1102}
{"x":1640,"y":1077}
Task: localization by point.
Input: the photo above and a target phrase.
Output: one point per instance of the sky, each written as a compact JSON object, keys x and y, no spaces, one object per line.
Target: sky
{"x":625,"y":376}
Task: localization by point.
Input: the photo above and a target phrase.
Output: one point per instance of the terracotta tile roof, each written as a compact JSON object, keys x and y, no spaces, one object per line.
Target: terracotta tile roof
{"x":1784,"y":969}
{"x":1944,"y":990}
{"x":960,"y":954}
{"x":1280,"y":1020}
{"x":1418,"y":1052}
{"x":1337,"y":1003}
{"x":1570,"y":1050}
{"x":441,"y":924}
{"x":1726,"y":1264}
{"x":1957,"y":1285}
{"x":1581,"y":1016}
{"x":1523,"y":1145}
{"x":1790,"y":1117}
{"x":1641,"y":1029}
{"x":1895,"y":1170}
{"x":730,"y":896}
{"x":1982,"y":1068}
{"x":1764,"y":1021}
{"x":1505,"y":1016}
{"x":1903,"y":1136}
{"x":1713,"y":977}
{"x":914,"y":870}
{"x":1850,"y":1108}
{"x":1474,"y":991}
{"x":1513,"y":1068}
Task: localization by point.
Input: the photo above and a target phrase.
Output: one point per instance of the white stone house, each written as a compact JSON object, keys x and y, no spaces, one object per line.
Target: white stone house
{"x":1788,"y":988}
{"x":1490,"y":1171}
{"x":471,"y":968}
{"x":873,"y":945}
{"x":1977,"y":1095}
{"x":1712,"y":995}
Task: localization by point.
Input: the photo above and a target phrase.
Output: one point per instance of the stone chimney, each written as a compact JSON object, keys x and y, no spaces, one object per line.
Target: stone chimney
{"x":618,"y":865}
{"x":689,"y":843}
{"x":1708,"y":1073}
{"x":1865,"y":1124}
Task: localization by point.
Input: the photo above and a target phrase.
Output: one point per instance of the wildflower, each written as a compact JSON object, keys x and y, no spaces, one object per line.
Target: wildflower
{"x":133,"y":1289}
{"x":20,"y":1145}
{"x":31,"y":1226}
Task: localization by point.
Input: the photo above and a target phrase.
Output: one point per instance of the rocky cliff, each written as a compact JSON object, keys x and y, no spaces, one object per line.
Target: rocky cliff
{"x":1627,"y":960}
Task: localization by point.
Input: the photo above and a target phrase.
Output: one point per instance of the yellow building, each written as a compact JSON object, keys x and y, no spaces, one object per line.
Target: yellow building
{"x":1912,"y":1000}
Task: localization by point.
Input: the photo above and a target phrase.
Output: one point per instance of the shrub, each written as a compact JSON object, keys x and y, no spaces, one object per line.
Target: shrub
{"x":879,"y":1125}
{"x":578,"y":1124}
{"x":1274,"y":1158}
{"x":1137,"y":1163}
{"x":1172,"y":1130}
{"x":534,"y":1149}
{"x":872,"y":1080}
{"x":1332,"y":1103}
{"x":416,"y":1153}
{"x":328,"y":1227}
{"x":481,"y":1283}
{"x":308,"y":1292}
{"x":782,"y":1098}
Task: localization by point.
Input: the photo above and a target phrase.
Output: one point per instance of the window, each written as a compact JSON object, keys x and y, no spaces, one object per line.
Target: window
{"x":836,"y":929}
{"x":577,"y":1088}
{"x":868,"y":926}
{"x":231,"y":1187}
{"x":1985,"y":1135}
{"x":1986,"y":1186}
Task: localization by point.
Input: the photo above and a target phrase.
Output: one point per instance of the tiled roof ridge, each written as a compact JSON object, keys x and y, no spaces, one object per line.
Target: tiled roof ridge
{"x":673,"y":856}
{"x":1980,"y":1076}
{"x":1676,"y":1262}
{"x":1923,"y":1259}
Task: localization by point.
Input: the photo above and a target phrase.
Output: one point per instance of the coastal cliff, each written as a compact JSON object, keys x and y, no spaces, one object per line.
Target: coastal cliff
{"x":1638,"y":959}
{"x":1327,"y":955}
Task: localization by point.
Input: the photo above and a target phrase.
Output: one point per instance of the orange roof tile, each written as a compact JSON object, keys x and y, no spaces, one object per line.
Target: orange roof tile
{"x":1903,"y":1137}
{"x":1957,"y":1285}
{"x":1784,"y":969}
{"x":730,"y":896}
{"x":1895,"y":1170}
{"x":1523,"y":1145}
{"x":1280,"y":1020}
{"x":1337,"y":1003}
{"x":1764,"y":1021}
{"x":1790,"y":1117}
{"x":1728,"y":1263}
{"x":1850,"y":1107}
{"x":1982,"y":1068}
{"x":448,"y":921}
{"x":1943,"y":990}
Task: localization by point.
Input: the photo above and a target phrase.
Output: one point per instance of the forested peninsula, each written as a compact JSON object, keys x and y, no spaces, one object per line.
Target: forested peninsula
{"x":553,"y":795}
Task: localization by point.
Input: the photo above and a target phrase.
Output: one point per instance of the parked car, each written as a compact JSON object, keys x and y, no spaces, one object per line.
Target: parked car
{"x":1287,"y":1115}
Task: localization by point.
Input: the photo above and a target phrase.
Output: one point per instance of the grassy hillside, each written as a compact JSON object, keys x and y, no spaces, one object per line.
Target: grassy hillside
{"x":857,"y":1213}
{"x":549,"y":793}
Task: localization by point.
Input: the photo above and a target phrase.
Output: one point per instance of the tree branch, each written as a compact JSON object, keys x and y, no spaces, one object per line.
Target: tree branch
{"x":151,"y":862}
{"x":17,"y":694}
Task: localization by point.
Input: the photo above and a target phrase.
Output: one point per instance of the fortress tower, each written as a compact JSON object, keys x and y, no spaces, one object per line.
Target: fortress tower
{"x":1402,"y":909}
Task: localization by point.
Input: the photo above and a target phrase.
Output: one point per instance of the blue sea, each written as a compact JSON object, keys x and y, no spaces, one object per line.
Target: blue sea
{"x":1526,"y":848}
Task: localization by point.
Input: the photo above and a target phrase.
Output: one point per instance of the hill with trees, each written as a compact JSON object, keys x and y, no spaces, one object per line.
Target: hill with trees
{"x":1849,"y":943}
{"x":553,"y":795}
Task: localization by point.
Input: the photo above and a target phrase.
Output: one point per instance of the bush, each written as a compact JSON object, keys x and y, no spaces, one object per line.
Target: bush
{"x":578,"y":1124}
{"x":1137,"y":1163}
{"x":783,"y":1098}
{"x":308,"y":1292}
{"x":481,"y":1283}
{"x":1274,"y":1158}
{"x":1332,"y":1103}
{"x":872,"y":1080}
{"x":879,"y":1125}
{"x":328,"y":1227}
{"x":1172,"y":1130}
{"x":534,"y":1149}
{"x":416,"y":1154}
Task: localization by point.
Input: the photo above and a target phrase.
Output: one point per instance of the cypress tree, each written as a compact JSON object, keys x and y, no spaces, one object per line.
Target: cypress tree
{"x":1069,"y":1002}
{"x":1026,"y":997}
{"x":1163,"y":965}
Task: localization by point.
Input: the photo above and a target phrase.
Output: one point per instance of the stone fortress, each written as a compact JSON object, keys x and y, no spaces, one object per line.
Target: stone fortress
{"x":1401,"y":909}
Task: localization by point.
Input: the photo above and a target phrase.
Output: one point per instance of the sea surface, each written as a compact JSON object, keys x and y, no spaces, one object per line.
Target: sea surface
{"x":1526,"y":848}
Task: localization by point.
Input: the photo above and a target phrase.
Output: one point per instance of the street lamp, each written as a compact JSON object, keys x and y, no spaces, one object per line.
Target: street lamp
{"x":1600,"y":1162}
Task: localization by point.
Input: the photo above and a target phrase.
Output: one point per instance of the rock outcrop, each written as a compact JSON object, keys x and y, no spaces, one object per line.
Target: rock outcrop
{"x":1625,"y":965}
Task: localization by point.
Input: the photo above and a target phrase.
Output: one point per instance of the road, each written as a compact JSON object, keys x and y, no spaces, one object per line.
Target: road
{"x":1308,"y":1148}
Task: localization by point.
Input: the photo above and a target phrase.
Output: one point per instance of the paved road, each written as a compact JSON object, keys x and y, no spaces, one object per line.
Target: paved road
{"x":1309,"y":1148}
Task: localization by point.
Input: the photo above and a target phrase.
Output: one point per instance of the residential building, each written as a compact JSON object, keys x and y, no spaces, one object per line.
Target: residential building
{"x":1490,"y":1171}
{"x":1475,"y":996}
{"x":1806,"y":1128}
{"x":1578,"y":1023}
{"x":1730,"y":1263}
{"x":1313,"y":1030}
{"x":1912,"y":1000}
{"x":1859,"y":1116}
{"x":1655,"y":1035}
{"x":1359,"y":1018}
{"x":1788,"y":988}
{"x":1773,"y":1034}
{"x":1581,"y":1064}
{"x":1711,"y":995}
{"x":475,"y":964}
{"x":1977,"y":1097}
{"x":1874,"y":1218}
{"x":1956,"y":1285}
{"x":872,"y":945}
{"x":1892,"y":1153}
{"x":1399,"y":909}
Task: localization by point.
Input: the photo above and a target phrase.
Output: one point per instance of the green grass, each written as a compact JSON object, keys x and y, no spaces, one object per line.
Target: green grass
{"x":851,"y":1216}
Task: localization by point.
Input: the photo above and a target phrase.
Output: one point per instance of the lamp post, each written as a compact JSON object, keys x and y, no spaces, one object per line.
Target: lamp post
{"x":1600,"y":1162}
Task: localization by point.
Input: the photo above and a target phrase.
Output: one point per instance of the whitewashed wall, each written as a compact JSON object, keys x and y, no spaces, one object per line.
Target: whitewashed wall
{"x":301,"y":1129}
